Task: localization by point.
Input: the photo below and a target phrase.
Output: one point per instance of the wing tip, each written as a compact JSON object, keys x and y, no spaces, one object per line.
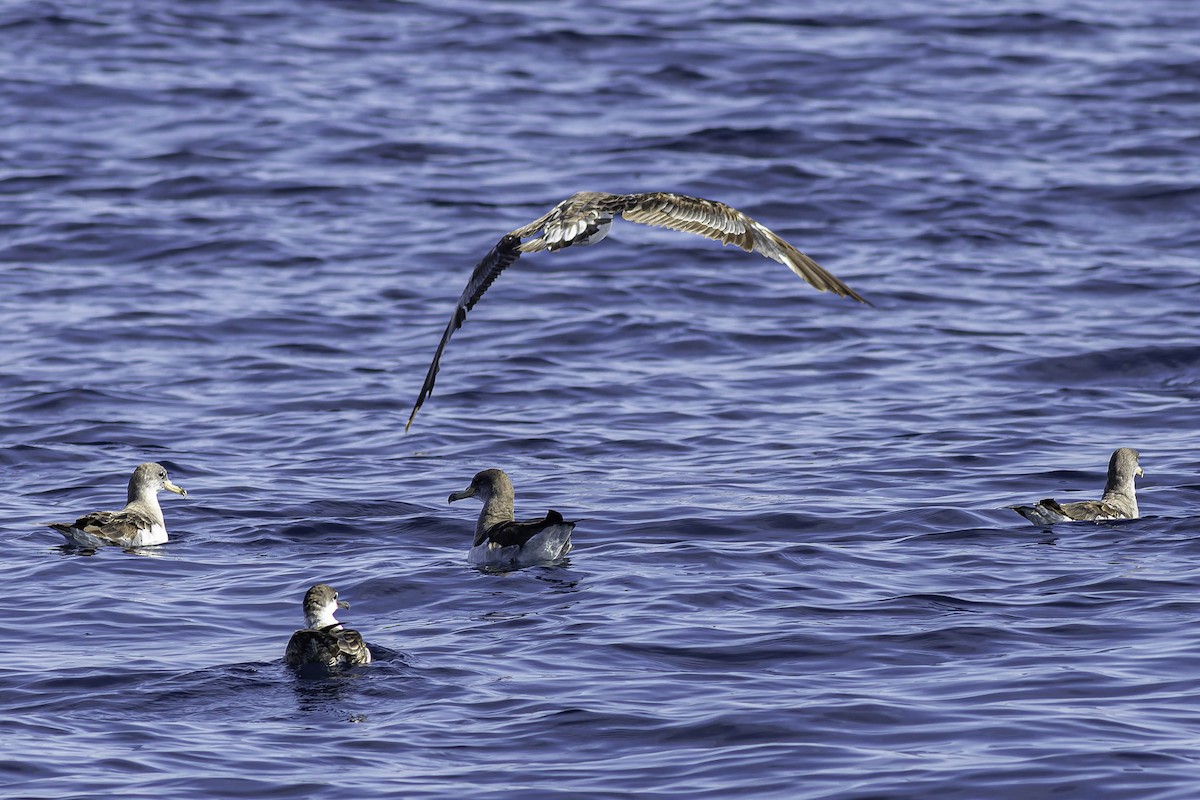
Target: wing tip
{"x":839,"y":288}
{"x":851,"y":293}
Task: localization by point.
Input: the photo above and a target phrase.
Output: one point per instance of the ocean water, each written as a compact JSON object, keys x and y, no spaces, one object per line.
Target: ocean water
{"x":231,"y":234}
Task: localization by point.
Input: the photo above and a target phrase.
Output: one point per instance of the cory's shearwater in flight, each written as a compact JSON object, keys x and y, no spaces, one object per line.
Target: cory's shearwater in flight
{"x":584,"y":218}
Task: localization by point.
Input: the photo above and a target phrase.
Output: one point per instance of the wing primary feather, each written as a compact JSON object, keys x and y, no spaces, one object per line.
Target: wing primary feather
{"x":727,"y":225}
{"x":498,"y":259}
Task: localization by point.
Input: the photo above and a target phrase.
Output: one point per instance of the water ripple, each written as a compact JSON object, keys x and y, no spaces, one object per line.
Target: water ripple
{"x":234,"y":233}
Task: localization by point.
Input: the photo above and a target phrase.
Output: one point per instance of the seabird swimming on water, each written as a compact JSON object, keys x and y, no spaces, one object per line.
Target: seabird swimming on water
{"x":585,"y":217}
{"x":324,"y":645}
{"x":502,"y":541}
{"x":1118,"y":501}
{"x":138,"y":524}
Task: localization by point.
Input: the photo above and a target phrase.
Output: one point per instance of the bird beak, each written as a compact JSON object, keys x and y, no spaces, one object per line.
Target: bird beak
{"x":1139,"y":473}
{"x":342,"y":604}
{"x":179,"y":490}
{"x":463,"y":495}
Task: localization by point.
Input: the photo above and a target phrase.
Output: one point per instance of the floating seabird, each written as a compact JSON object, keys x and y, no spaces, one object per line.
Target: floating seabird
{"x":138,"y":524}
{"x":324,"y":645}
{"x":585,"y":218}
{"x":502,"y":541}
{"x":1118,"y":501}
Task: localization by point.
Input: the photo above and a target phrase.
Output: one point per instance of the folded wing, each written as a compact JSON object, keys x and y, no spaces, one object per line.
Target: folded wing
{"x":518,"y":532}
{"x":115,"y":527}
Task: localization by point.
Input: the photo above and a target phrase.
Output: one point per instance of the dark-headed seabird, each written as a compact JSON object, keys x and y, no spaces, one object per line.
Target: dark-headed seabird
{"x":585,"y":218}
{"x":1118,"y":502}
{"x":138,"y":524}
{"x":324,"y":645}
{"x":500,"y":540}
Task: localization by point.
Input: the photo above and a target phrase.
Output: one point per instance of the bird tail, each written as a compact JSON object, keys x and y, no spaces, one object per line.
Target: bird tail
{"x":75,"y":536}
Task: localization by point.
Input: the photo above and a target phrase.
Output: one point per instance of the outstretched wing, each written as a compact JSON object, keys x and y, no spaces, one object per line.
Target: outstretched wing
{"x":729,"y":226}
{"x":502,"y":256}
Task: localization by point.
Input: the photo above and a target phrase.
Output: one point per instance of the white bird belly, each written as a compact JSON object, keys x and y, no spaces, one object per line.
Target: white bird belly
{"x":601,"y":231}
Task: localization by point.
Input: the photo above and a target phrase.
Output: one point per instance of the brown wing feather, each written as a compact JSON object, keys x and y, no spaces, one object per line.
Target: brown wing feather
{"x":518,"y":532}
{"x":97,"y":520}
{"x":326,"y":650}
{"x":1090,"y":510}
{"x":727,"y":225}
{"x":115,"y":526}
{"x":501,"y":257}
{"x":307,"y":647}
{"x":352,"y":646}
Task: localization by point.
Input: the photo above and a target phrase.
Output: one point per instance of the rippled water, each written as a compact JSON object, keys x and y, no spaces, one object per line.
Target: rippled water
{"x":232,"y":234}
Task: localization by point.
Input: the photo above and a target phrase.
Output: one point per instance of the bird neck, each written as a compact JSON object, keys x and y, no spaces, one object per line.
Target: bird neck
{"x":134,"y":492}
{"x":496,"y":509}
{"x":323,"y":619}
{"x":147,"y":503}
{"x":1119,"y":492}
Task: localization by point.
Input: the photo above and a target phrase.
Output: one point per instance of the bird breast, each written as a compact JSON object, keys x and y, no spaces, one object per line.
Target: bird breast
{"x":602,"y":229}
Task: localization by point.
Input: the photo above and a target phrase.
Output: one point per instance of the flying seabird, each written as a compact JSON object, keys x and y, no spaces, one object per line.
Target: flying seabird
{"x":585,"y":218}
{"x":324,"y":645}
{"x":1117,"y":502}
{"x":502,"y":541}
{"x":138,"y":524}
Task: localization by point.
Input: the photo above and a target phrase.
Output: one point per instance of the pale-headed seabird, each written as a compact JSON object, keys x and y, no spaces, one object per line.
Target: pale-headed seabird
{"x":500,"y":540}
{"x":585,"y":218}
{"x":324,"y":645}
{"x":1118,"y":502}
{"x":138,"y":524}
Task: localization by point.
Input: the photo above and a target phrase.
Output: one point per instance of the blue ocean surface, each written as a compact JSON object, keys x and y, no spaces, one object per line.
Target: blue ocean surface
{"x":232,"y":233}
